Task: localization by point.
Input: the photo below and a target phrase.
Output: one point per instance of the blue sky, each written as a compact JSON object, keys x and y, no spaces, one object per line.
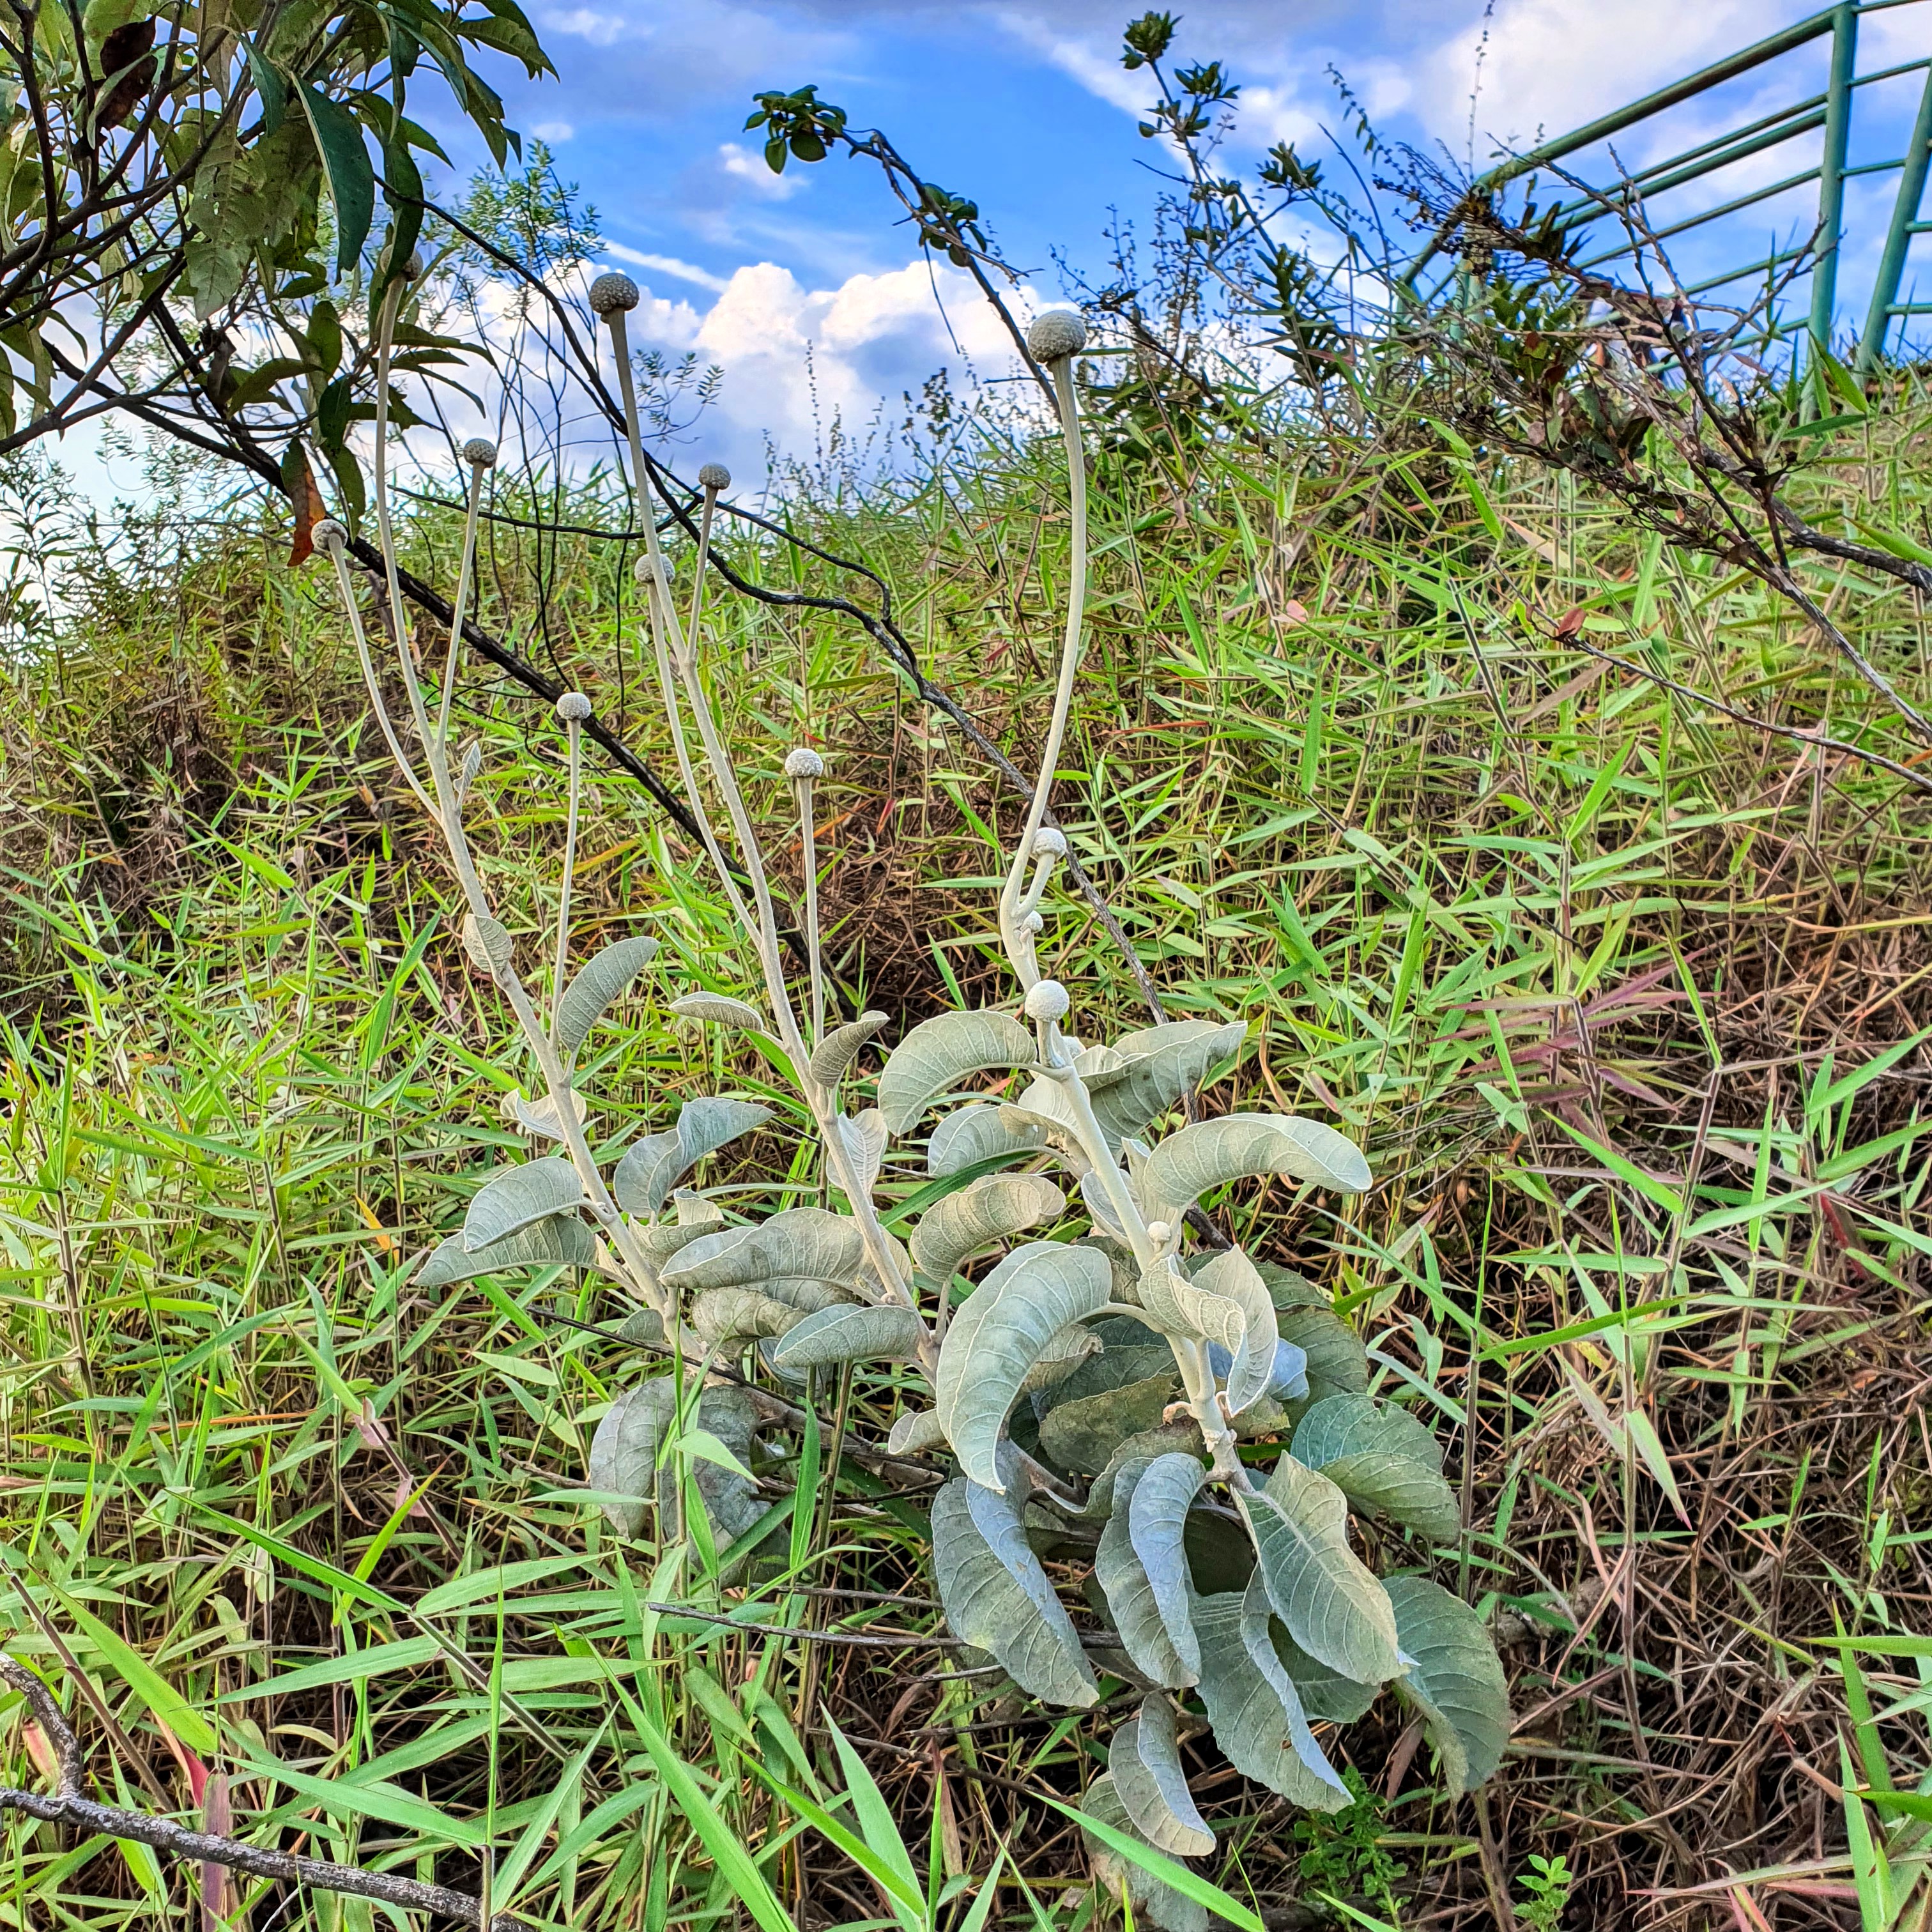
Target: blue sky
{"x":810,"y":298}
{"x":1026,"y":108}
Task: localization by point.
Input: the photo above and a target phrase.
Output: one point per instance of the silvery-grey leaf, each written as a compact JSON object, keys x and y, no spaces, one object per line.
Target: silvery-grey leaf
{"x":916,"y":1430}
{"x":831,"y":1059}
{"x":1334,"y":1606}
{"x":644,"y":1327}
{"x":939,"y":1053}
{"x":1336,"y":1362}
{"x":1083,"y":1434}
{"x":1063,"y":1353}
{"x":1288,"y":1382}
{"x":851,"y":1334}
{"x":603,"y":976}
{"x":803,"y":1244}
{"x":540,"y":1116}
{"x":1159,"y":1065}
{"x":996,"y":1336}
{"x":1324,"y":1693}
{"x":975,"y":1133}
{"x":1157,"y":1524}
{"x":712,"y":1121}
{"x":1456,"y":1681}
{"x":733,"y":1504}
{"x":696,"y":1218}
{"x":1093,"y":1191}
{"x":863,"y":1138}
{"x":1259,"y":1631}
{"x":1050,"y":1134}
{"x":649,"y":1169}
{"x":624,"y":1449}
{"x":558,"y":1241}
{"x":1381,"y":1458}
{"x":519,"y":1195}
{"x":734,"y":1314}
{"x":993,"y":1208}
{"x":1251,"y":1722}
{"x":1123,"y":1362}
{"x":1128,"y":1590}
{"x":1155,"y":1905}
{"x":805,"y":1294}
{"x":1227,"y":1302}
{"x":1194,"y":1159}
{"x":1220,"y":1557}
{"x":487,"y":941}
{"x":1145,"y":1760}
{"x":720,"y":1009}
{"x":473,"y":763}
{"x":999,"y":1600}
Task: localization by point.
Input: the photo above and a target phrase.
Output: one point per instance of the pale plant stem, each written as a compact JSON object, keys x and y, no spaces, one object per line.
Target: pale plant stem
{"x":463,"y":576}
{"x":574,"y":737}
{"x":1019,"y":949}
{"x":668,"y":687}
{"x":375,"y":689}
{"x":807,"y":830}
{"x":703,"y":558}
{"x":385,"y":534}
{"x":663,"y":615}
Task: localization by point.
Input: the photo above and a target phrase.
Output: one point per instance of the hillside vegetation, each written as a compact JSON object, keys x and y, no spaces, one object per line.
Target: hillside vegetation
{"x":1389,"y":756}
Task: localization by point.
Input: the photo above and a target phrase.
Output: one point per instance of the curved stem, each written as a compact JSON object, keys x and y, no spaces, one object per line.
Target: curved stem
{"x":574,"y":738}
{"x":1020,"y":954}
{"x":462,"y":600}
{"x":808,"y":840}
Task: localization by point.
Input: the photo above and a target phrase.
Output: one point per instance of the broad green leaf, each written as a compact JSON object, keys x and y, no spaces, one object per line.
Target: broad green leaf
{"x":1381,"y":1458}
{"x":1336,"y":1363}
{"x":624,"y":1449}
{"x":1003,"y":1328}
{"x":1157,"y":1522}
{"x":1333,"y":1606}
{"x":720,"y":1009}
{"x":849,"y":1333}
{"x":1252,"y":1724}
{"x":1129,"y":1593}
{"x":728,"y":1418}
{"x":863,"y":1137}
{"x":601,"y":979}
{"x":974,"y":1133}
{"x":562,"y":1240}
{"x":1160,"y":1064}
{"x":519,"y":1195}
{"x":1456,"y":1681}
{"x":696,"y":1218}
{"x":1226,"y":1301}
{"x":916,"y":1430}
{"x":998,"y":1597}
{"x":991,"y":1210}
{"x":1144,"y":1760}
{"x":1210,"y":1153}
{"x":831,"y":1059}
{"x":881,"y":1833}
{"x":733,"y":1314}
{"x":1083,"y":1434}
{"x":345,"y":163}
{"x":1287,"y":1288}
{"x":1155,"y":1903}
{"x":1324,"y":1693}
{"x":939,"y":1053}
{"x":1262,"y":1636}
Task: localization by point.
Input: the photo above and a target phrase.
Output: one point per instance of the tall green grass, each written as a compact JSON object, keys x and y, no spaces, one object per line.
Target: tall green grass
{"x":1627,"y":1001}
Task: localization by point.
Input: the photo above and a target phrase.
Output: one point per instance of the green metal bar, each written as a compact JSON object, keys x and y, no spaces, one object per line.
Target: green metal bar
{"x":1875,"y":167}
{"x":1831,"y":170}
{"x":1784,"y":187}
{"x":1776,"y":261}
{"x":1905,"y":224}
{"x":1661,"y":176}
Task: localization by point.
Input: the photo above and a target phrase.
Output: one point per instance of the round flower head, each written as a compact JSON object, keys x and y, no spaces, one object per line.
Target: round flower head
{"x":480,"y":451}
{"x":329,"y":536}
{"x":1158,"y":1232}
{"x":413,"y":268}
{"x":715,"y":478}
{"x":1058,"y":332}
{"x":803,"y":762}
{"x":1034,"y":921}
{"x":1049,"y":842}
{"x":641,"y":569}
{"x":612,"y":293}
{"x":1047,"y":1000}
{"x":573,"y":707}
